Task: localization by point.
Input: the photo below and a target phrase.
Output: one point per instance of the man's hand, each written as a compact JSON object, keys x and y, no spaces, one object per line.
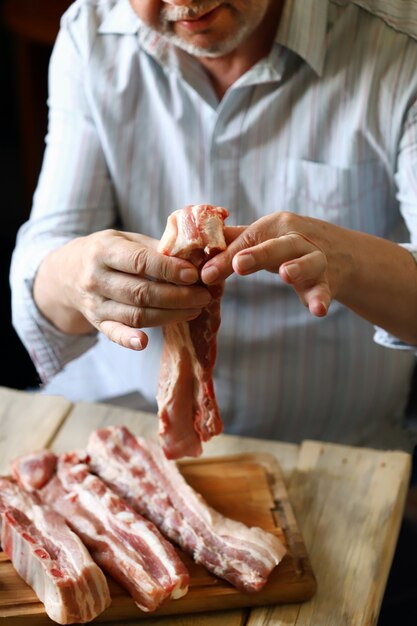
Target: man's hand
{"x":289,"y":245}
{"x":117,"y":283}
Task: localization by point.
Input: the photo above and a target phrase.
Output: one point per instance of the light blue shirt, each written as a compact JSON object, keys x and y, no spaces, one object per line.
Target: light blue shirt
{"x":325,"y":126}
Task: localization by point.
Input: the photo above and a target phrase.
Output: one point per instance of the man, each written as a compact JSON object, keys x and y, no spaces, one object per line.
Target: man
{"x":301,"y":119}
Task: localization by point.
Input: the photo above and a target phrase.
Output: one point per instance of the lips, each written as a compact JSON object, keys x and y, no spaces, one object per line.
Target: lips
{"x":201,"y":21}
{"x":194,"y":18}
{"x":188,"y":14}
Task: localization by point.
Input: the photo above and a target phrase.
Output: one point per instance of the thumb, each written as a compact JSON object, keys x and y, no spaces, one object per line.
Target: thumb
{"x":220,"y":267}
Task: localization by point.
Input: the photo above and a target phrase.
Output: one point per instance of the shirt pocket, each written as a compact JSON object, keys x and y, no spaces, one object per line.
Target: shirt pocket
{"x":360,"y":197}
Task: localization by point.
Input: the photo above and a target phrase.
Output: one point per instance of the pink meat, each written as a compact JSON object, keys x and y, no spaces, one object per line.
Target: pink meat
{"x":50,"y":557}
{"x":187,"y":407}
{"x":138,"y":470}
{"x":35,"y":469}
{"x":122,"y":542}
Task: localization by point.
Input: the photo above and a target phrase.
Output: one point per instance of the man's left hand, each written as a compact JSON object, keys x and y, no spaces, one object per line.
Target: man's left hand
{"x":283,"y":243}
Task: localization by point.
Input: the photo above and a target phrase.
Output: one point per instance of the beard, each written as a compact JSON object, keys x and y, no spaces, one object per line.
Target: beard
{"x":171,"y":14}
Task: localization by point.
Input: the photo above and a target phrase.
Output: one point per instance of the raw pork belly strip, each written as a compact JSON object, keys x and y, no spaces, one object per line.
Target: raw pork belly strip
{"x":138,"y":470}
{"x":187,"y":407}
{"x":50,"y":557}
{"x":34,"y":469}
{"x":128,"y":547}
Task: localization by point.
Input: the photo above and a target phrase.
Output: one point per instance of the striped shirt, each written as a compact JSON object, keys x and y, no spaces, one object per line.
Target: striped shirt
{"x":325,"y":126}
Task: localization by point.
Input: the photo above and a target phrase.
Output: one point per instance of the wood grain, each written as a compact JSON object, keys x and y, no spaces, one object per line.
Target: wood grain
{"x":28,"y":421}
{"x":242,"y":487}
{"x":349,"y":503}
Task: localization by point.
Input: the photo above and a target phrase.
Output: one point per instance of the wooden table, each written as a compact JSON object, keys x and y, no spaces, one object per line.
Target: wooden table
{"x":348,"y":501}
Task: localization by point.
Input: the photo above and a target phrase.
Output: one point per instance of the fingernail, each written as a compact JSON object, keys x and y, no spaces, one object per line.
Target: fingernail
{"x":245,"y":262}
{"x":136,"y":343}
{"x":318,"y":309}
{"x":188,"y":275}
{"x":210,"y":274}
{"x":322,"y":311}
{"x":293,"y":271}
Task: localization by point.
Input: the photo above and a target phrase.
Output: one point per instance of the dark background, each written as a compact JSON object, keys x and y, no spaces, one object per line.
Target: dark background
{"x":17,"y":369}
{"x":27,"y":30}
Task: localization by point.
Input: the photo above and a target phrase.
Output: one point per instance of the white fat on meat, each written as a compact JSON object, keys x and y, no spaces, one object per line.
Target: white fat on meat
{"x":50,"y":557}
{"x":138,"y":470}
{"x":122,"y":542}
{"x":187,"y":407}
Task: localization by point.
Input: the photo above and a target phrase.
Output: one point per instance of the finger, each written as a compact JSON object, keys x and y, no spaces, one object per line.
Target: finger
{"x":305,"y":269}
{"x":141,"y":317}
{"x":317,"y":298}
{"x":272,"y":253}
{"x":132,"y":338}
{"x":127,"y":289}
{"x":220,"y":267}
{"x":308,"y":277}
{"x":248,"y":240}
{"x":130,"y":257}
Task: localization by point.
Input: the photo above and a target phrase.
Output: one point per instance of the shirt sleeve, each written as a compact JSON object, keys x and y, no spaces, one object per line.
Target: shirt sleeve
{"x":406,"y":181}
{"x":74,"y":197}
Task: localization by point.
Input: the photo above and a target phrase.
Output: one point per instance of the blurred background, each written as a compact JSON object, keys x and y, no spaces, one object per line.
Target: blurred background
{"x":27,"y":31}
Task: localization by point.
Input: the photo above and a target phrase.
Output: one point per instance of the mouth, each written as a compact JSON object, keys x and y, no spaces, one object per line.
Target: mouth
{"x":202,"y":21}
{"x":193,"y":19}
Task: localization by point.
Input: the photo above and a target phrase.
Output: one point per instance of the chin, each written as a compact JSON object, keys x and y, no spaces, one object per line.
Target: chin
{"x":210,"y":49}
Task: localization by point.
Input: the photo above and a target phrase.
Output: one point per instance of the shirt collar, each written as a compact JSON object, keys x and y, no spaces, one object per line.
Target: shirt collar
{"x":302,"y":29}
{"x":120,"y":20}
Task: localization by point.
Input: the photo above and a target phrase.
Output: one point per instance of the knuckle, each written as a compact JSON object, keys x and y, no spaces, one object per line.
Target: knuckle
{"x":140,"y":260}
{"x":98,"y":242}
{"x":90,"y":280}
{"x":136,"y":317}
{"x":105,"y":234}
{"x":251,"y":237}
{"x":286,"y":221}
{"x":141,"y":293}
{"x":166,"y":270}
{"x":295,"y":241}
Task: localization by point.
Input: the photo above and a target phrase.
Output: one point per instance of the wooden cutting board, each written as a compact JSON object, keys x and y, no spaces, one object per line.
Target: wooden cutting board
{"x":248,"y":488}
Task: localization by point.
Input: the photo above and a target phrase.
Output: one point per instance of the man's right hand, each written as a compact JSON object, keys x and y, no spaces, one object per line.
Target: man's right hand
{"x":117,"y":283}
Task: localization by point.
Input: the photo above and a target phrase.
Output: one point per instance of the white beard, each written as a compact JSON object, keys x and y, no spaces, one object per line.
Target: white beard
{"x":217,"y":49}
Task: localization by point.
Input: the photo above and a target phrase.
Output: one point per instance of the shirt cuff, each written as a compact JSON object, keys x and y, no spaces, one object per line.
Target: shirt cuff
{"x":49,"y":348}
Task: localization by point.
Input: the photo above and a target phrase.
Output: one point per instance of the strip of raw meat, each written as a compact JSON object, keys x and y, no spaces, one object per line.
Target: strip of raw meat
{"x":122,"y":542}
{"x":138,"y":470}
{"x":187,"y":407}
{"x":34,"y":469}
{"x":50,"y":557}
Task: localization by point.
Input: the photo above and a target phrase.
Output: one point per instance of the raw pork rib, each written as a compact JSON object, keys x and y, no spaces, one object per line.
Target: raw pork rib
{"x":50,"y":557}
{"x":138,"y":470}
{"x":187,"y":407}
{"x":128,"y":547}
